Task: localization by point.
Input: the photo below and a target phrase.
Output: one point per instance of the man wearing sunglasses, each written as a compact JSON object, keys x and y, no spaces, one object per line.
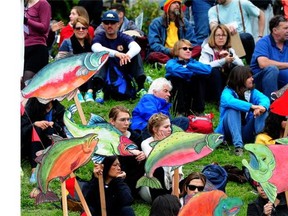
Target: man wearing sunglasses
{"x":124,"y":58}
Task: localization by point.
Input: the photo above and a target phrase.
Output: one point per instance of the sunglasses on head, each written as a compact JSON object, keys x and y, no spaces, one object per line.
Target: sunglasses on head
{"x":186,"y":48}
{"x":81,"y":28}
{"x":193,"y":187}
{"x":109,"y":22}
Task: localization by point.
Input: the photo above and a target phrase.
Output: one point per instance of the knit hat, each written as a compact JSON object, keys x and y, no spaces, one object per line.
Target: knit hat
{"x":166,"y":4}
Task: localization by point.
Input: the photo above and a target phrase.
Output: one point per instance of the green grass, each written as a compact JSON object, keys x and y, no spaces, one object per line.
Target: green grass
{"x":223,"y":155}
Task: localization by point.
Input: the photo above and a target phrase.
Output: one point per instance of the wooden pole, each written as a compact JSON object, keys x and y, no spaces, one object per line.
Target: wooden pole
{"x":80,"y":110}
{"x":176,"y":182}
{"x":64,"y":199}
{"x":286,"y":132}
{"x":102,"y":195}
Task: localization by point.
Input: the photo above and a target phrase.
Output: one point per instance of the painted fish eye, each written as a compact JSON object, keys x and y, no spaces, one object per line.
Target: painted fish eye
{"x":131,"y":147}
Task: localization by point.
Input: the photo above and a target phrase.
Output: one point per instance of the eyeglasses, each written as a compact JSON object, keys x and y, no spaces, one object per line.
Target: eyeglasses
{"x":219,"y":35}
{"x":81,"y":28}
{"x":109,"y":22}
{"x":193,"y":187}
{"x":186,"y":48}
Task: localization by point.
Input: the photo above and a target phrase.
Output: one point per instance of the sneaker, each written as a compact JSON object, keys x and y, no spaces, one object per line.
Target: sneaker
{"x":141,"y":93}
{"x":99,"y":97}
{"x":80,"y":98}
{"x":33,"y":179}
{"x":238,"y":151}
{"x":89,"y":97}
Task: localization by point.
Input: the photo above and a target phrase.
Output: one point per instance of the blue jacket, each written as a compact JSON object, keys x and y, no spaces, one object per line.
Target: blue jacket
{"x":185,"y":70}
{"x":157,"y":35}
{"x":230,"y":100}
{"x":146,"y":107}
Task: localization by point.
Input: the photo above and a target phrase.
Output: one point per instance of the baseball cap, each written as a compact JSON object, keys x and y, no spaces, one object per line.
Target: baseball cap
{"x":110,"y":16}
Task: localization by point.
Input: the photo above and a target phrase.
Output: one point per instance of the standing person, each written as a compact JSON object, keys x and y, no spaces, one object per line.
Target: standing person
{"x":68,"y":30}
{"x":274,"y":128}
{"x":236,"y":15}
{"x":155,"y":101}
{"x":188,"y":78}
{"x":37,"y":15}
{"x":46,"y":119}
{"x":124,"y":63}
{"x":79,"y":42}
{"x":119,"y":117}
{"x":118,"y":196}
{"x":200,"y":10}
{"x":243,"y":109}
{"x":270,"y":58}
{"x":166,"y":30}
{"x":262,"y":206}
{"x":221,"y":57}
{"x":159,"y":126}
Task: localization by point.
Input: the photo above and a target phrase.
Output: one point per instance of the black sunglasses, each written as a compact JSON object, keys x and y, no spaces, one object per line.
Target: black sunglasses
{"x":81,"y":28}
{"x":193,"y":187}
{"x":109,"y":22}
{"x":186,"y":48}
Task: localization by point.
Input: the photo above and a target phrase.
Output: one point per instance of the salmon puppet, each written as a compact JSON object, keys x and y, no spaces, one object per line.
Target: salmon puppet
{"x":211,"y":203}
{"x":60,"y":79}
{"x":60,"y":160}
{"x":176,"y":150}
{"x":268,"y":166}
{"x":111,"y":140}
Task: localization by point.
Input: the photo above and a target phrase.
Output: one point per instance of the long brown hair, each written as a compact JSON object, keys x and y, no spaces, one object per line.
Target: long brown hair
{"x":190,"y":177}
{"x":211,"y":40}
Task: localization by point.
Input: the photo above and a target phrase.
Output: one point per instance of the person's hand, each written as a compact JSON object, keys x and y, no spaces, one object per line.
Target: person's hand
{"x":98,"y":170}
{"x":124,"y":58}
{"x":57,"y":26}
{"x":139,"y":155}
{"x":160,"y":135}
{"x":258,"y":110}
{"x":232,"y":29}
{"x":122,"y":175}
{"x":43,"y":124}
{"x":267,"y":209}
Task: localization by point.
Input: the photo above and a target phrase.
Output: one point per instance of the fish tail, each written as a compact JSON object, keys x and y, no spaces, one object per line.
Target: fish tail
{"x":150,"y":182}
{"x":46,"y":197}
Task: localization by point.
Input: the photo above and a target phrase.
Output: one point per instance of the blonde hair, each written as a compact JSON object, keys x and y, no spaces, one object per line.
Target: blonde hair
{"x":179,"y":44}
{"x":155,"y":122}
{"x":81,"y":11}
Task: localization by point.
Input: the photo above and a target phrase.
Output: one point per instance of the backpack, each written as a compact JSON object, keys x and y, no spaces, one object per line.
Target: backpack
{"x":201,"y":124}
{"x":217,"y":175}
{"x":119,"y":86}
{"x":261,"y":4}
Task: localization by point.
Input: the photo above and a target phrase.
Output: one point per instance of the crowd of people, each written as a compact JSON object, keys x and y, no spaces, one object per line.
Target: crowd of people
{"x":201,"y":64}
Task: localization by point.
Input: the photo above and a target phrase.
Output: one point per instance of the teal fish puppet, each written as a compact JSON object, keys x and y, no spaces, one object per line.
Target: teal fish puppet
{"x":211,"y":203}
{"x":60,"y":160}
{"x":268,"y":166}
{"x":176,"y":150}
{"x":111,"y":140}
{"x":61,"y":78}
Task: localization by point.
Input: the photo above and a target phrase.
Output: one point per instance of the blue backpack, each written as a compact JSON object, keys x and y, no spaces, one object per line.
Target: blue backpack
{"x":217,"y":175}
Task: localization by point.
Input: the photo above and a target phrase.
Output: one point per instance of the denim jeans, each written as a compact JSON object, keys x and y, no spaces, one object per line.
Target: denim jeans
{"x":248,"y":44}
{"x":238,"y":133}
{"x":200,"y":15}
{"x":266,"y":80}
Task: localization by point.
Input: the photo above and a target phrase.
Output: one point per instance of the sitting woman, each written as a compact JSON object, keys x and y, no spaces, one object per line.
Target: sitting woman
{"x":117,"y":193}
{"x":167,"y":204}
{"x":119,"y":117}
{"x":222,"y":58}
{"x":188,"y":78}
{"x":159,"y":127}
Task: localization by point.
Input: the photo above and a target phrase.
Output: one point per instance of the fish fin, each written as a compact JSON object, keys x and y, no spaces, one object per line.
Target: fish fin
{"x":47,"y":197}
{"x":175,"y":128}
{"x":94,"y":119}
{"x":82,"y":71}
{"x":55,"y":138}
{"x":39,"y":159}
{"x":154,"y":143}
{"x":283,"y":140}
{"x":98,"y":159}
{"x":149,"y":182}
{"x":72,"y":109}
{"x":270,"y":190}
{"x":71,"y":94}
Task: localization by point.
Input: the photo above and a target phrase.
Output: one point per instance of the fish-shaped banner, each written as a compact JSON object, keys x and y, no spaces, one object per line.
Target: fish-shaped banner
{"x":60,"y":160}
{"x":211,"y":203}
{"x":268,"y":166}
{"x":111,"y":140}
{"x":61,"y":78}
{"x":280,"y":105}
{"x":176,"y":150}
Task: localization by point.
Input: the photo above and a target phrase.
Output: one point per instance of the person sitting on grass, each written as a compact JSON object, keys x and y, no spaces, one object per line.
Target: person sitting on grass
{"x":166,"y":204}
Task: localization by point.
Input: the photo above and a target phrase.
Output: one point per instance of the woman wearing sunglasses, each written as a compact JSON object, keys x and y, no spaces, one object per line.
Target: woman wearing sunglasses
{"x":193,"y":183}
{"x":188,"y":78}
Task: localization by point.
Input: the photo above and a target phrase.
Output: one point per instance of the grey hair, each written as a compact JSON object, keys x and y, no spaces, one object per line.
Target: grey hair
{"x":158,"y":85}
